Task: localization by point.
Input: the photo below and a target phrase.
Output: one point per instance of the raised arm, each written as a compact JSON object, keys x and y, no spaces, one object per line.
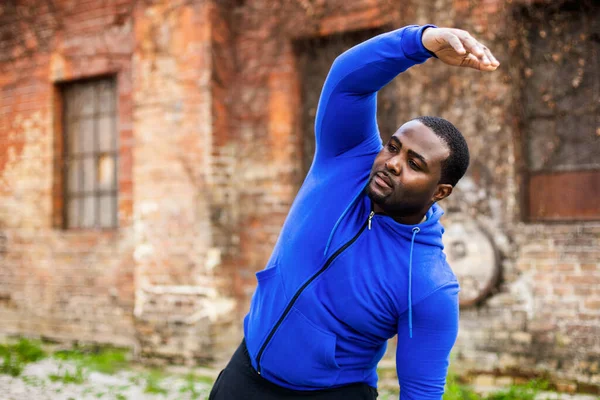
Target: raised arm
{"x":422,"y":362}
{"x":346,"y":116}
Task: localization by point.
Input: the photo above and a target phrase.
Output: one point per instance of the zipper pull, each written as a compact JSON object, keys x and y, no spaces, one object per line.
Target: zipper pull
{"x":370,"y":218}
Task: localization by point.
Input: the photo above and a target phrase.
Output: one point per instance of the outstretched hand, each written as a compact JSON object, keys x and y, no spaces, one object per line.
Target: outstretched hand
{"x":459,"y":48}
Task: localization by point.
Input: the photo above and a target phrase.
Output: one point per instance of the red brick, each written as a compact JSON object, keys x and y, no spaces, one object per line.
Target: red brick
{"x":590,"y":267}
{"x":582,"y":279}
{"x":593,"y":304}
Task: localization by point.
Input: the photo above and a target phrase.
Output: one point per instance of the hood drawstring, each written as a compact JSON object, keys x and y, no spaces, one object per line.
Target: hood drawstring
{"x":339,"y":220}
{"x":415,"y":230}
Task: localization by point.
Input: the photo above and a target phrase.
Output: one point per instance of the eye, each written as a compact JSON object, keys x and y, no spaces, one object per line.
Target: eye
{"x":392,"y":148}
{"x":414,"y":165}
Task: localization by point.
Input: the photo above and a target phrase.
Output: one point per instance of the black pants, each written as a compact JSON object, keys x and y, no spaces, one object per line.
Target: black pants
{"x":239,"y":381}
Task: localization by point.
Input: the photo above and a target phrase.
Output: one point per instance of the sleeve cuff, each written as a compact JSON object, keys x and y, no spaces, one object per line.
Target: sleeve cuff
{"x":412,"y":45}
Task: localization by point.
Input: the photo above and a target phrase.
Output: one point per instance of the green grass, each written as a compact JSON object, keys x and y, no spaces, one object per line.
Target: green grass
{"x":86,"y":359}
{"x":457,"y":391}
{"x":16,"y":356}
{"x":66,"y":376}
{"x":529,"y":391}
{"x":153,"y":383}
{"x":191,"y":380}
{"x":32,"y":380}
{"x":104,"y":360}
{"x":521,"y":392}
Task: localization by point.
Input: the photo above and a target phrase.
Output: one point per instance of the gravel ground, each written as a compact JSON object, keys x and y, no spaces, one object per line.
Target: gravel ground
{"x":35,"y":383}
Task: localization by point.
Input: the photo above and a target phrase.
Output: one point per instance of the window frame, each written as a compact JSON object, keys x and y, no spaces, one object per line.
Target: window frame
{"x":66,"y":157}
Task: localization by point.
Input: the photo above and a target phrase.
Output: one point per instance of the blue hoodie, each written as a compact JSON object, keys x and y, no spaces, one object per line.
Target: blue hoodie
{"x":342,"y":280}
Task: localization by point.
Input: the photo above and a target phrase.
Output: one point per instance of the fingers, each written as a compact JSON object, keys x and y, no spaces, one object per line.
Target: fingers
{"x":478,"y":53}
{"x":458,"y":47}
{"x":494,"y":61}
{"x":456,"y":44}
{"x":473,"y":46}
{"x":472,"y":61}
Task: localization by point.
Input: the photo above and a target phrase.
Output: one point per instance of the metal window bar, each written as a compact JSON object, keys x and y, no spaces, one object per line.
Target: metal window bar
{"x":96,"y":158}
{"x":84,"y":207}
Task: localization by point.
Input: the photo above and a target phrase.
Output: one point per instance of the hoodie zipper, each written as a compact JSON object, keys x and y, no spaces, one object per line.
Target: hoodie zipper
{"x":370,"y":218}
{"x":305,"y":285}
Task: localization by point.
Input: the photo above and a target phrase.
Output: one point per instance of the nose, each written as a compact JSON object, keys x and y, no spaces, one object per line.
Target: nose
{"x":393,"y":165}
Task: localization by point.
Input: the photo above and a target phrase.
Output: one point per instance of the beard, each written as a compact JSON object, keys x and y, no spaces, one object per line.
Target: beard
{"x":395,"y":202}
{"x":377,"y":198}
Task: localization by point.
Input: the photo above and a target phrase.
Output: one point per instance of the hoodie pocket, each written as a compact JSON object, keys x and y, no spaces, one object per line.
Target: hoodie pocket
{"x":301,"y":353}
{"x":268,"y":302}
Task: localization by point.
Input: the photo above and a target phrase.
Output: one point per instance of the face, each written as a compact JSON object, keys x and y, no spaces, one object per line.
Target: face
{"x":404,"y":180}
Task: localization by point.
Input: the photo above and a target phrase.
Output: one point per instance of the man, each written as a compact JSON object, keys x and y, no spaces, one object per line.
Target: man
{"x":359,"y":258}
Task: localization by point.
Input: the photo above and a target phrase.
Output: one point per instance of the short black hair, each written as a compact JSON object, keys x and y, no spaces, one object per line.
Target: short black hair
{"x":455,"y":166}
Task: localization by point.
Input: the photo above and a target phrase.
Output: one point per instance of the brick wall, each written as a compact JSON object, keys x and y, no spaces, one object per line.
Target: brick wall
{"x":542,"y":314}
{"x":147,"y":284}
{"x":176,"y":167}
{"x":211,"y":158}
{"x":75,"y":285}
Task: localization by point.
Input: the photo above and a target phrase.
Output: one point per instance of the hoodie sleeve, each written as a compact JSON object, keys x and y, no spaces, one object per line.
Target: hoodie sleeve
{"x":346,"y":115}
{"x":422,"y":362}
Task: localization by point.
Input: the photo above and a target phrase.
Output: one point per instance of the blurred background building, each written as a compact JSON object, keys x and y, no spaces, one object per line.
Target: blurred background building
{"x":150,"y":150}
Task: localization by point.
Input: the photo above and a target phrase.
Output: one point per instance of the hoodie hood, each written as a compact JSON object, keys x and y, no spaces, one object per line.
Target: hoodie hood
{"x":430,"y":230}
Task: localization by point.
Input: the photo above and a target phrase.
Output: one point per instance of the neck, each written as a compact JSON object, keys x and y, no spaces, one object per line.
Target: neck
{"x":413,"y":219}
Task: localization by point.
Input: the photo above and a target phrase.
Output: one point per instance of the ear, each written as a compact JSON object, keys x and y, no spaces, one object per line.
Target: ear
{"x":443,"y":190}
